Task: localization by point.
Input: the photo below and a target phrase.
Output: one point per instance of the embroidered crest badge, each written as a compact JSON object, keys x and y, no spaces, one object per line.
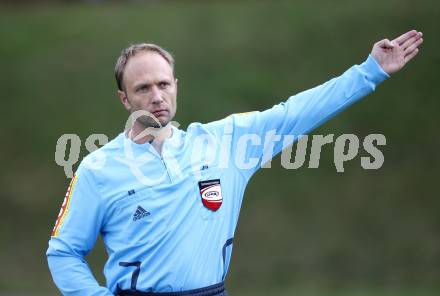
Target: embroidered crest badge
{"x":211,"y":193}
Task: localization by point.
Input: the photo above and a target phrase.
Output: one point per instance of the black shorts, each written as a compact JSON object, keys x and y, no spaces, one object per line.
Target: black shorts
{"x":214,"y":290}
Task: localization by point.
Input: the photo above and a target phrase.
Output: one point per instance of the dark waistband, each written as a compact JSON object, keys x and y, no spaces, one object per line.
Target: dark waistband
{"x":213,"y":290}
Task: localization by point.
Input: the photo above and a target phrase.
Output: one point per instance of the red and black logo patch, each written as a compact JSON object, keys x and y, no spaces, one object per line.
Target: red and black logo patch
{"x":211,"y":193}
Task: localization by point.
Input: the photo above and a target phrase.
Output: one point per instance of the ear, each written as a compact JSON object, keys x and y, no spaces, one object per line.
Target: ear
{"x":124,"y":99}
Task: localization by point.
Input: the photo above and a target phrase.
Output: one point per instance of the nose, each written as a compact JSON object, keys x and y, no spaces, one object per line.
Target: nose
{"x":156,"y":95}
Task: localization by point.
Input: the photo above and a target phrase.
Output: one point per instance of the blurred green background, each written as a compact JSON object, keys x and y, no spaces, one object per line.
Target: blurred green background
{"x":301,"y":232}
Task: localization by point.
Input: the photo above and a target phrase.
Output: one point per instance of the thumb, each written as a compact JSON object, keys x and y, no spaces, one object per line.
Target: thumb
{"x":385,"y":43}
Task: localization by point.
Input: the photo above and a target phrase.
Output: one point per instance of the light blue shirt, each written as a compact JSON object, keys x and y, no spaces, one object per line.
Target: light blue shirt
{"x":168,"y":221}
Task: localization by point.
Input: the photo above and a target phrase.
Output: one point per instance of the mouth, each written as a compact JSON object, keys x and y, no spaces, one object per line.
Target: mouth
{"x":160,"y":112}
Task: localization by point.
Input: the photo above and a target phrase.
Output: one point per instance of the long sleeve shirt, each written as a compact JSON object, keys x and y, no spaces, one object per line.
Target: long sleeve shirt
{"x":168,"y":220}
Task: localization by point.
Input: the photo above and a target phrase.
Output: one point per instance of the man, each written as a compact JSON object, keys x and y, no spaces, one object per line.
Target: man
{"x":166,"y":201}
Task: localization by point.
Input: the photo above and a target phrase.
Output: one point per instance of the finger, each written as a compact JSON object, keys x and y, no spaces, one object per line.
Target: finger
{"x":410,"y":41}
{"x":411,"y":55}
{"x":413,"y":46}
{"x":402,"y":38}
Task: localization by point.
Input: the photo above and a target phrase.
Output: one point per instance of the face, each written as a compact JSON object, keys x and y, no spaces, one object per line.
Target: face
{"x":150,"y":86}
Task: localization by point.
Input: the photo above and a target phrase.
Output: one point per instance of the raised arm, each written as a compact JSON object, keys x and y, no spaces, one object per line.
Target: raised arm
{"x":302,"y":113}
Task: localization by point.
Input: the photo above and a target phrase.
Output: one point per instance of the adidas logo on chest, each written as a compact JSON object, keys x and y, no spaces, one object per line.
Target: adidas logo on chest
{"x":140,"y":213}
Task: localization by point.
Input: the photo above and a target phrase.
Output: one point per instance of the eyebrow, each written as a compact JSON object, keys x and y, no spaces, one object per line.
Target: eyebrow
{"x":146,"y":84}
{"x":141,"y":85}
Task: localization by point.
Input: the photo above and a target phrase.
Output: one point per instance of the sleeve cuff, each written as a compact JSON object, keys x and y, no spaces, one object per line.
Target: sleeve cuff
{"x":373,"y":70}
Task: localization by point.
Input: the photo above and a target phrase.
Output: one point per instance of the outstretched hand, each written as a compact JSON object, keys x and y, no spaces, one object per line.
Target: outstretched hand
{"x":393,"y":55}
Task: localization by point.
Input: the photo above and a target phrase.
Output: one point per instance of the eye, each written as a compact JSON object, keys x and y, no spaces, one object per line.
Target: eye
{"x":163,"y":84}
{"x":142,"y":88}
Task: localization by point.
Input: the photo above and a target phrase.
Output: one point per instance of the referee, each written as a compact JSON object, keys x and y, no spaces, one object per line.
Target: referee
{"x":167,"y":201}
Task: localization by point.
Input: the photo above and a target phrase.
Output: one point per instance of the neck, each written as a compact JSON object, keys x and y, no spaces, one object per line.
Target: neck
{"x":155,"y":136}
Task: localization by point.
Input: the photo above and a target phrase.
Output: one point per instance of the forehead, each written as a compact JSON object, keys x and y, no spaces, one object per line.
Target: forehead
{"x":147,"y":66}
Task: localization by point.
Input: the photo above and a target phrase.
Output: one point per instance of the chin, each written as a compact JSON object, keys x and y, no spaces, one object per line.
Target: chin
{"x":164,"y":122}
{"x":147,"y":122}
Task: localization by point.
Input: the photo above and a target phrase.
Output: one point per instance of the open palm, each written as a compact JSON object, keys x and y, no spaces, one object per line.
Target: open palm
{"x":393,"y":55}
